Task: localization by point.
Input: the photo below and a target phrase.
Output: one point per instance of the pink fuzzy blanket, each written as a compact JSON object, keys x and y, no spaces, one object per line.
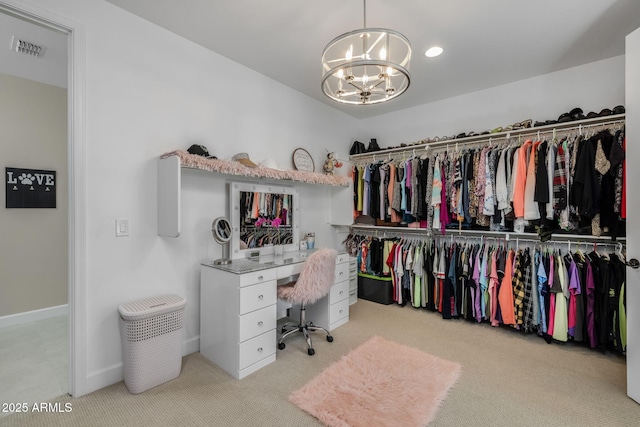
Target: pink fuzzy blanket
{"x":234,"y":168}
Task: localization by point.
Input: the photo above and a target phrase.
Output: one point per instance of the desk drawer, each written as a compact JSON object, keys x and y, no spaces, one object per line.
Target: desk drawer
{"x":257,"y":322}
{"x":342,"y":258}
{"x":257,"y":296}
{"x":257,"y":348}
{"x":342,"y":272}
{"x":289,"y":270}
{"x":339,"y":310}
{"x":252,"y":278}
{"x":339,"y":292}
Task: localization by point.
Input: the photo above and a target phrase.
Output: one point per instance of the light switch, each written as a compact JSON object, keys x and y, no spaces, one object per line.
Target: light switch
{"x":122,"y":227}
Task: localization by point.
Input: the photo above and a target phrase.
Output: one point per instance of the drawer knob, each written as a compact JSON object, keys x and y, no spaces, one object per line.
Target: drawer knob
{"x":260,"y":349}
{"x":341,"y":311}
{"x":260,"y":277}
{"x":341,"y":273}
{"x":260,"y":323}
{"x":341,"y":292}
{"x":260,"y":297}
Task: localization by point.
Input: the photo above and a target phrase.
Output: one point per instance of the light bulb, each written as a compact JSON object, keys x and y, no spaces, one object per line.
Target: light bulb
{"x":383,"y":53}
{"x":340,"y":74}
{"x":349,"y":54}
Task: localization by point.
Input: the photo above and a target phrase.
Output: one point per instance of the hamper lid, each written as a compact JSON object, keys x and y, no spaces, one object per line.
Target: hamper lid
{"x":152,"y":306}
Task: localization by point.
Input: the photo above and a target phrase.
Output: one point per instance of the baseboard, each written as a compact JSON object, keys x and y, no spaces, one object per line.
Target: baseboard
{"x":115,"y":373}
{"x":31,"y":316}
{"x":191,"y":345}
{"x":104,"y":377}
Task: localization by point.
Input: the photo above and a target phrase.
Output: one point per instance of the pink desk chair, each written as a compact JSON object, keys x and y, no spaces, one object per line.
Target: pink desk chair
{"x":314,"y":282}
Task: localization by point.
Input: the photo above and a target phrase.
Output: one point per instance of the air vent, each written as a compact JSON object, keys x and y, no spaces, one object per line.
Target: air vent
{"x":27,"y":48}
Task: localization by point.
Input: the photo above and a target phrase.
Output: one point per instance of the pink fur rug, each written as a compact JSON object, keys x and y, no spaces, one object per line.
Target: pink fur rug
{"x":379,"y":383}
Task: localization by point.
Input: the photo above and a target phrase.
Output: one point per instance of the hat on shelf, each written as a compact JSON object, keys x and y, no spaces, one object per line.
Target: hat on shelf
{"x":200,"y":150}
{"x":576,"y":114}
{"x":618,"y":109}
{"x":244,"y":159}
{"x":270,"y":163}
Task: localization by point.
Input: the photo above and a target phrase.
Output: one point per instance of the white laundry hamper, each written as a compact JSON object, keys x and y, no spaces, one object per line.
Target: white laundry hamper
{"x":151,"y":335}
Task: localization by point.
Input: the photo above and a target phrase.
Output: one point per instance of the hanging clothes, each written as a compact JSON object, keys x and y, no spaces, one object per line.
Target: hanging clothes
{"x":574,"y":183}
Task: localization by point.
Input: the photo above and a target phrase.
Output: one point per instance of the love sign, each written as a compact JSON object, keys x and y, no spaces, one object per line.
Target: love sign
{"x":30,"y":188}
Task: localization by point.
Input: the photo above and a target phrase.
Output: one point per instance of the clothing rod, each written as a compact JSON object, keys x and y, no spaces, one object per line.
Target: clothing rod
{"x":577,"y":243}
{"x":487,"y":234}
{"x":555,"y":236}
{"x":480,"y":238}
{"x":385,"y":232}
{"x":484,"y":233}
{"x":421,"y":148}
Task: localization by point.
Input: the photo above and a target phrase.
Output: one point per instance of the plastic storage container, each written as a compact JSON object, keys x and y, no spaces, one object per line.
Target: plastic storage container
{"x":375,"y":288}
{"x":151,"y":335}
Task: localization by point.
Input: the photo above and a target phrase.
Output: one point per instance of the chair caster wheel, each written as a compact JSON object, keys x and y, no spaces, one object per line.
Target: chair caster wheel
{"x":311,"y":352}
{"x":281,"y":345}
{"x":329,"y":338}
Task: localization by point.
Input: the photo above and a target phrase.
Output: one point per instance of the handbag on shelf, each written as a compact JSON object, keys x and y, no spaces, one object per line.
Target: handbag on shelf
{"x":357,"y":148}
{"x":373,"y":146}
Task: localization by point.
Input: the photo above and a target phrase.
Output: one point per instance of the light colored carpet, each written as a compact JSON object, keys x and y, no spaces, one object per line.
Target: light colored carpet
{"x":508,"y":380}
{"x":379,"y":383}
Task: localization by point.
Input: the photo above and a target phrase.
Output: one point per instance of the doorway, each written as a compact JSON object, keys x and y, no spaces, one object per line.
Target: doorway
{"x":76,"y":229}
{"x":34,"y":258}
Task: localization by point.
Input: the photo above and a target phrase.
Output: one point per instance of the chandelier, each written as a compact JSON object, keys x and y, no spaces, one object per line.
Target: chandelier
{"x":366,"y":66}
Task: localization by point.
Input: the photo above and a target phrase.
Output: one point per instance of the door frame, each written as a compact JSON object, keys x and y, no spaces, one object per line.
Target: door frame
{"x":632,"y":291}
{"x":76,"y":183}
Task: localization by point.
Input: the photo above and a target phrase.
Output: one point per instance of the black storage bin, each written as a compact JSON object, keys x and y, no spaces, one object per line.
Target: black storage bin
{"x":375,"y":288}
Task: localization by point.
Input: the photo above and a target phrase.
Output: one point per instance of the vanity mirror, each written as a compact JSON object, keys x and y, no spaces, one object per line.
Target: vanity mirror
{"x":262,"y":216}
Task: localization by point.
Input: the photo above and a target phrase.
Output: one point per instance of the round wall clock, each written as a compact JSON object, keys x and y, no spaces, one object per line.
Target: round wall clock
{"x":302,"y":160}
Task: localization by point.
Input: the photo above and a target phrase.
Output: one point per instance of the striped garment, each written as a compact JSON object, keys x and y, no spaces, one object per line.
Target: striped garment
{"x":518,"y":289}
{"x":527,"y":302}
{"x":560,"y":182}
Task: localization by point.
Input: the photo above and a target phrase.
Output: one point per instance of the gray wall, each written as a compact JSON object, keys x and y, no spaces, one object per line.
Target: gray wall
{"x":33,"y":246}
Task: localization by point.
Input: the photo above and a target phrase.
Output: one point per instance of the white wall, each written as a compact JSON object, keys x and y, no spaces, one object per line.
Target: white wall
{"x":142,"y":103}
{"x":33,"y":254}
{"x":591,"y":87}
{"x":149,"y":91}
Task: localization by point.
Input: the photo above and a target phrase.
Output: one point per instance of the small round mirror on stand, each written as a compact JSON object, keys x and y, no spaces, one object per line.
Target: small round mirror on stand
{"x":221,"y":230}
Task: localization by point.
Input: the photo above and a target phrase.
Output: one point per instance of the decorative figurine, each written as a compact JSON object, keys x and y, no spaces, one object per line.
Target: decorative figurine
{"x":330,"y":164}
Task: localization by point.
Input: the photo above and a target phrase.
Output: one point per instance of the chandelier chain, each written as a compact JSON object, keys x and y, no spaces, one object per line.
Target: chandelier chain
{"x":365,"y":13}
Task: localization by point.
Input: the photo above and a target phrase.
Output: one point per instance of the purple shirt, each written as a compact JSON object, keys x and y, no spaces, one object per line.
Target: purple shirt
{"x":591,"y":301}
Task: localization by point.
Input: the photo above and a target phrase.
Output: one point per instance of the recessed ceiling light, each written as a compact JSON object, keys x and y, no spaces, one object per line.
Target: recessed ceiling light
{"x":434,"y":51}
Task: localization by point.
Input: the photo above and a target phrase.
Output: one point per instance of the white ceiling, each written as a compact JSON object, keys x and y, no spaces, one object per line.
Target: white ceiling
{"x":49,"y":68}
{"x":487,"y":43}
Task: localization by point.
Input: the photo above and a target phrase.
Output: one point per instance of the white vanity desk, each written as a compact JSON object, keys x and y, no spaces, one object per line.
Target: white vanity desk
{"x":238,"y":318}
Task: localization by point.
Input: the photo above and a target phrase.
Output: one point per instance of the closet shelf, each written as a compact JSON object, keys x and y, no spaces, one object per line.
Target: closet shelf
{"x":384,"y":231}
{"x":414,"y":149}
{"x":171,"y":165}
{"x":226,"y":167}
